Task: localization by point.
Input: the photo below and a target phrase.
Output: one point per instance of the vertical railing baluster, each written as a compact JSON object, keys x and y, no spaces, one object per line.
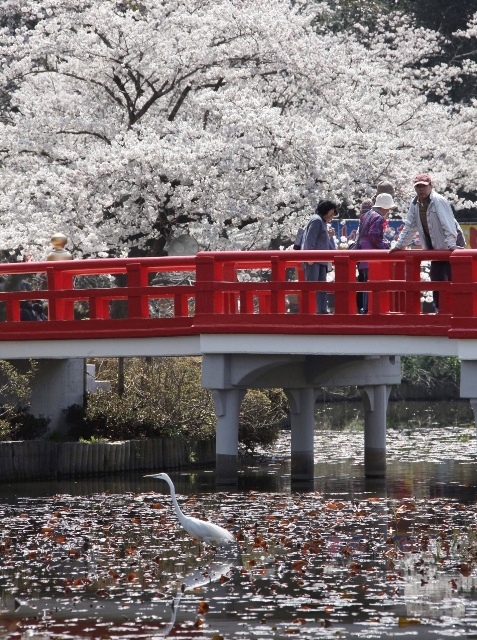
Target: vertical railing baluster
{"x":398,"y":296}
{"x":412,"y":269}
{"x":277,"y":296}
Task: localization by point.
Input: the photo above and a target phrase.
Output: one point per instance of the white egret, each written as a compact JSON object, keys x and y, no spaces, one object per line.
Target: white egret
{"x":199,"y":529}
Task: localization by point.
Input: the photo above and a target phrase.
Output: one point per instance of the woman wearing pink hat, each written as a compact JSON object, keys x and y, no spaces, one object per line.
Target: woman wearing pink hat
{"x":371,"y":236}
{"x":383,"y":187}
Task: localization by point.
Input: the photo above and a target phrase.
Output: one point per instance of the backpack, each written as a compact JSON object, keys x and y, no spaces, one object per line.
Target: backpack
{"x":299,"y":238}
{"x":460,"y":241}
{"x":300,"y":234}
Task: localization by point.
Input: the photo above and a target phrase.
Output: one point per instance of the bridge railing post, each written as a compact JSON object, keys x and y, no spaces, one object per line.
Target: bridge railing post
{"x":138,"y":304}
{"x":464,"y":271}
{"x":12,"y":310}
{"x":58,"y":280}
{"x":377,"y":299}
{"x":207,"y":301}
{"x":345,"y":273}
{"x":98,"y":308}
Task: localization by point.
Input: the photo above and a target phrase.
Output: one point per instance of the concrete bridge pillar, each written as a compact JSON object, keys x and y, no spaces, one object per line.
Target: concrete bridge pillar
{"x":302,"y":415}
{"x":229,"y":376}
{"x":468,"y":384}
{"x":375,"y":401}
{"x":227,"y":409}
{"x":58,"y":384}
{"x":473,"y":404}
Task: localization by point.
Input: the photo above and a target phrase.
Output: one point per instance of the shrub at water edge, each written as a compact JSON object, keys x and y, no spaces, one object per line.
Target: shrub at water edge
{"x":161,"y":397}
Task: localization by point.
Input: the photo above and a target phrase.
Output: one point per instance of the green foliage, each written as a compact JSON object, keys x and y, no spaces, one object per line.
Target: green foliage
{"x":161,"y":397}
{"x":260,"y":418}
{"x":446,"y":17}
{"x":15,"y":391}
{"x":92,"y":440}
{"x":58,"y":435}
{"x":427,"y":370}
{"x":15,"y":388}
{"x":23,"y":426}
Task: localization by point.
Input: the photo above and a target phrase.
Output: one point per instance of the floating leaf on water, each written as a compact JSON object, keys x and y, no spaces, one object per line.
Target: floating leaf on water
{"x":203,"y":607}
{"x":405,"y":622}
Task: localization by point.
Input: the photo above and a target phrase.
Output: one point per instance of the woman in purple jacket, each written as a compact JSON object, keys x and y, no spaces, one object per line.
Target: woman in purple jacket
{"x":371,"y":236}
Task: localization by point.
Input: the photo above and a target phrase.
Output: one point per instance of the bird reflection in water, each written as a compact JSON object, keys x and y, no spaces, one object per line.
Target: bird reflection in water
{"x":206,"y":532}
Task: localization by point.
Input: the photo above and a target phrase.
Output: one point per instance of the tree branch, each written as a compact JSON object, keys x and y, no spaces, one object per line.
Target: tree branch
{"x":179,"y":102}
{"x":87,"y":133}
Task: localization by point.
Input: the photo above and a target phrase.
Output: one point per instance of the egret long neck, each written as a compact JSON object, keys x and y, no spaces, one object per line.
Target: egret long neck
{"x":180,"y":515}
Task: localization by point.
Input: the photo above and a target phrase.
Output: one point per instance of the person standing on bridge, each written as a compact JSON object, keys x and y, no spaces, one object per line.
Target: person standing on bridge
{"x":316,"y":238}
{"x":383,"y":187}
{"x":431,"y":215}
{"x":362,"y":297}
{"x":371,"y":236}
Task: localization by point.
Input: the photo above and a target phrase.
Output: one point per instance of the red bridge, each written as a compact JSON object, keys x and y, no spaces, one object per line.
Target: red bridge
{"x":259,"y":292}
{"x":252,"y":318}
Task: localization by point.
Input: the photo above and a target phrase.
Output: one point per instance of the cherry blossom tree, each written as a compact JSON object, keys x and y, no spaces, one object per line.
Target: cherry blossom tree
{"x":130,"y":122}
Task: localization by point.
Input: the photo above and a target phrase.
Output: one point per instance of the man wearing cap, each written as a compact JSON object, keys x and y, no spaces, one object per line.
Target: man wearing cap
{"x":431,"y":215}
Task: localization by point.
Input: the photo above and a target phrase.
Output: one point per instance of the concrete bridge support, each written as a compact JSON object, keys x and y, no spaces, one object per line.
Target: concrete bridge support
{"x":302,"y":415}
{"x":375,"y":400}
{"x":227,"y":409}
{"x":58,"y":384}
{"x":468,"y":384}
{"x":230,"y":375}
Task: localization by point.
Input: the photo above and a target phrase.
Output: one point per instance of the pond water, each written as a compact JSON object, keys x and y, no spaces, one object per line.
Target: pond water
{"x":346,"y":558}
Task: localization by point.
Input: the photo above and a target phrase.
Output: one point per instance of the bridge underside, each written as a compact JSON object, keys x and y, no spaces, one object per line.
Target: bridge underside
{"x":342,"y":344}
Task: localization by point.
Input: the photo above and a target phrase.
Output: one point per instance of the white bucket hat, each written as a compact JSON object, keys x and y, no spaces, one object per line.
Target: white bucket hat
{"x":384,"y":201}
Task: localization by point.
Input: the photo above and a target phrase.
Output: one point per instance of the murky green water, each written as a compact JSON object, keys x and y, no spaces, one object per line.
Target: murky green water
{"x":351,"y":558}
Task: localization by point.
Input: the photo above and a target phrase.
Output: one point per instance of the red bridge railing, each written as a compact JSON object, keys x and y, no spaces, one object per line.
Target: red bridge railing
{"x":236,"y":292}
